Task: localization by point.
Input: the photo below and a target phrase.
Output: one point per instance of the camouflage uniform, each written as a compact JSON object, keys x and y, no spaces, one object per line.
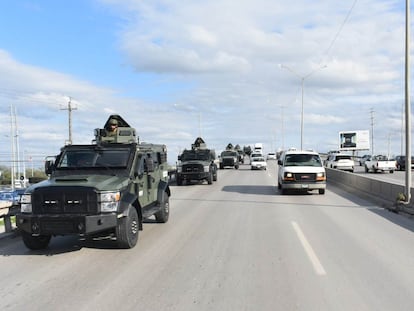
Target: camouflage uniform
{"x":112,"y":131}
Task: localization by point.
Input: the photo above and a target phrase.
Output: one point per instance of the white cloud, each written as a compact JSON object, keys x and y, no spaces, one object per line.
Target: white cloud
{"x":224,"y":55}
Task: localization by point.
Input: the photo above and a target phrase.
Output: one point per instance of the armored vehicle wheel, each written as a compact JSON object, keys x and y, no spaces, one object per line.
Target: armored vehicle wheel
{"x":237,"y":167}
{"x":321,"y":191}
{"x":164,"y":213}
{"x":35,"y":242}
{"x":127,"y":229}
{"x":179,"y":181}
{"x":210,"y":178}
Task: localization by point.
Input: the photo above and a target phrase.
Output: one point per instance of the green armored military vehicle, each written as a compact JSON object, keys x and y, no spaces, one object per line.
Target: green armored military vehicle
{"x":197,"y":164}
{"x":229,"y":157}
{"x":106,"y":188}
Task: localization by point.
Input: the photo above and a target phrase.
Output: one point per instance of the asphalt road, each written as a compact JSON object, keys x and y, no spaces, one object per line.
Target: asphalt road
{"x":234,"y":245}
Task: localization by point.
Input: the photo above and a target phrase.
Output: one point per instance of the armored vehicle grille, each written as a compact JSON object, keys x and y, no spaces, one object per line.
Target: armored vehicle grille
{"x":65,"y":200}
{"x":228,"y":161}
{"x":305,"y":177}
{"x":193,"y":168}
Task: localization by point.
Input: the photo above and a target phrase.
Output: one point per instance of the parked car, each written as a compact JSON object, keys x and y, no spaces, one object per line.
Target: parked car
{"x":364,"y":158}
{"x":258,"y":163}
{"x":400,"y":162}
{"x":340,"y":161}
{"x":11,"y":196}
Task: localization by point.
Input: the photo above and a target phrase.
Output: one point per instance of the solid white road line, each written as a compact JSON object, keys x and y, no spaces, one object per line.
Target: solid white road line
{"x":309,"y":251}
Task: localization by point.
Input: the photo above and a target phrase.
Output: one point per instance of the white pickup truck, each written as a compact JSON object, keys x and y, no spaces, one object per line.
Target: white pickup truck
{"x":380,"y":163}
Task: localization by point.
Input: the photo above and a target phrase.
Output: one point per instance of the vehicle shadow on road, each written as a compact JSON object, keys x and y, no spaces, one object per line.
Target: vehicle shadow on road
{"x":402,"y":220}
{"x":263,"y":190}
{"x":58,"y":245}
{"x":251,"y":189}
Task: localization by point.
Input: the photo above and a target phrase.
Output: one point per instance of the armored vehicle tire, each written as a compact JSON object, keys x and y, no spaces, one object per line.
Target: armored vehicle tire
{"x":221,"y":166}
{"x":179,"y":181}
{"x":127,"y":229}
{"x":164,"y":213}
{"x":35,"y":242}
{"x":237,"y":167}
{"x":321,"y":191}
{"x":210,"y":178}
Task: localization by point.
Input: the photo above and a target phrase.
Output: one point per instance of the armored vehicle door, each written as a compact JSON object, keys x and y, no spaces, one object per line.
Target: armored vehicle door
{"x":142,"y":180}
{"x":154,"y":175}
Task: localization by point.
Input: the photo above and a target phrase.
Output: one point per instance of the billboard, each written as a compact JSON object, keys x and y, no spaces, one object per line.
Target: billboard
{"x":354,"y":140}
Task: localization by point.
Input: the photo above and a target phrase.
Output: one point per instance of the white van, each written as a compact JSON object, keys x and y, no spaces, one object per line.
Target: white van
{"x":301,"y":170}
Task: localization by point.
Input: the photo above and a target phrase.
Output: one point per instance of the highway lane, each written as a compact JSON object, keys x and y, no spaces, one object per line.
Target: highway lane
{"x":398,"y":177}
{"x":234,"y":245}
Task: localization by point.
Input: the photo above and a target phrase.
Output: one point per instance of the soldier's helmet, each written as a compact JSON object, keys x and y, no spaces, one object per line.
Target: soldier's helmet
{"x":113,"y":122}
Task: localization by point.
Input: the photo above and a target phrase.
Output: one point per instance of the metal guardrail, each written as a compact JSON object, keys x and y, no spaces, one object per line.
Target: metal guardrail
{"x":7,"y":211}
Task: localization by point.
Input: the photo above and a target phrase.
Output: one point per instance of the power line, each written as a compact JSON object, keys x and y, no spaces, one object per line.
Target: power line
{"x":339,"y":30}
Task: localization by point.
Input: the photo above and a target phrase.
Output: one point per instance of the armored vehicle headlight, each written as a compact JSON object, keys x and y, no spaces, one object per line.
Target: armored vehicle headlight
{"x":206,"y":168}
{"x":26,"y":203}
{"x":109,"y":201}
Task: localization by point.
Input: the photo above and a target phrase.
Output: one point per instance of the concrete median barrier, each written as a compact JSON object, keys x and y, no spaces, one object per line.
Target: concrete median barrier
{"x":382,"y":193}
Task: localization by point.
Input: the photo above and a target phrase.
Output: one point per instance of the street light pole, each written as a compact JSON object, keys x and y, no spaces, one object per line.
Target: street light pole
{"x":302,"y":79}
{"x":407,"y":106}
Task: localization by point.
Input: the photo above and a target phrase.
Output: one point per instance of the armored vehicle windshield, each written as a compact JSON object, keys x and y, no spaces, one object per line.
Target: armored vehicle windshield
{"x":229,"y":154}
{"x":194,"y":155}
{"x":93,"y":158}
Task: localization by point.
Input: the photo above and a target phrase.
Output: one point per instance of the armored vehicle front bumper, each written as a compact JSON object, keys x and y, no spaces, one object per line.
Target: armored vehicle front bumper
{"x":65,"y":224}
{"x":194,"y":176}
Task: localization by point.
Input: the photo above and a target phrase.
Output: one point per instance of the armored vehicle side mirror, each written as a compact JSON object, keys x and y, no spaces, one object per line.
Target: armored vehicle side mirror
{"x":49,"y":165}
{"x":150,"y":165}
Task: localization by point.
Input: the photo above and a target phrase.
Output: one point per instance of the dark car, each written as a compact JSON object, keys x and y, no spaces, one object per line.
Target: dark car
{"x":364,"y":158}
{"x":401,"y":162}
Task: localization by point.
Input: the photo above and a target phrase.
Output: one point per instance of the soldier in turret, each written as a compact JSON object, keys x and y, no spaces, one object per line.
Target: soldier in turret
{"x":112,"y":128}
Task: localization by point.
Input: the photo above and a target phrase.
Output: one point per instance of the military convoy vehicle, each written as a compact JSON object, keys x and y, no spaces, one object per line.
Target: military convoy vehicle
{"x":229,"y":157}
{"x":197,"y":164}
{"x":105,"y":189}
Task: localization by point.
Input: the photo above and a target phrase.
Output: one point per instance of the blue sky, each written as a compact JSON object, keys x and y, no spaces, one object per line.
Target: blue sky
{"x":174,"y":69}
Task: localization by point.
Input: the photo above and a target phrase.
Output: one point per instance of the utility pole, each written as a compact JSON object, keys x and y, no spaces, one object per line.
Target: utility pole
{"x":13,"y":163}
{"x":407,"y":106}
{"x":302,"y":82}
{"x":372,"y":130}
{"x":69,"y":109}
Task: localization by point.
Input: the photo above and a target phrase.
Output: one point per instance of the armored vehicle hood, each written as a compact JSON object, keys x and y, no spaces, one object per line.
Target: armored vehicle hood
{"x":99,"y":182}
